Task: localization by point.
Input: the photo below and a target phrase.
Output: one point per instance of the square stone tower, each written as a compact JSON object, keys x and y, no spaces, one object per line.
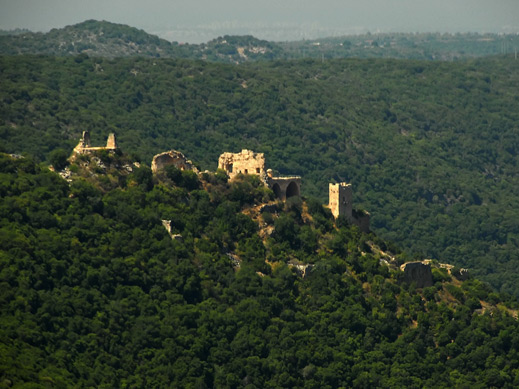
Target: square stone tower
{"x":340,"y":200}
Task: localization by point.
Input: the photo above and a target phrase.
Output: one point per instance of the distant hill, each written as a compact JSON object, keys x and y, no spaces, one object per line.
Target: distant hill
{"x":98,"y":38}
{"x":110,"y":40}
{"x":428,"y":46}
{"x":106,"y":39}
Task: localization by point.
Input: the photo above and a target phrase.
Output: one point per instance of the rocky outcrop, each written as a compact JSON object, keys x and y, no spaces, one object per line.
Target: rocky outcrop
{"x":418,"y":272}
{"x":167,"y":226}
{"x":302,"y":270}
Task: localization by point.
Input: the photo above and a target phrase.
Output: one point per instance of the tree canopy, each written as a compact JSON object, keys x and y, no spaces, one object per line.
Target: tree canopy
{"x":430,"y":147}
{"x":95,"y":292}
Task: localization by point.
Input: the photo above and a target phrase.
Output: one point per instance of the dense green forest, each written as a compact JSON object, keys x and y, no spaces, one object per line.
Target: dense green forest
{"x":95,"y":293}
{"x":105,"y":39}
{"x":430,"y":147}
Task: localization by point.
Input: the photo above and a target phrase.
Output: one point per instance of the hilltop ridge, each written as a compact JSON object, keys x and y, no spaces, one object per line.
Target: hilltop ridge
{"x":106,"y":39}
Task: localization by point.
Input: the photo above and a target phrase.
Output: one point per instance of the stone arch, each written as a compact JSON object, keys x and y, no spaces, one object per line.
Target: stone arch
{"x":277,"y":190}
{"x":292,"y":190}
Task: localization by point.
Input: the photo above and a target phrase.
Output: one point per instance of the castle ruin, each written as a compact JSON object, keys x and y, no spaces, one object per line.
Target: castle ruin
{"x":84,"y":145}
{"x":172,"y":157}
{"x":249,"y":162}
{"x":245,"y":162}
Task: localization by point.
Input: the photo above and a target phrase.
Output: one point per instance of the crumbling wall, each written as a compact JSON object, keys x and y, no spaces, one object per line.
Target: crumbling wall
{"x":417,"y":272}
{"x":84,"y":145}
{"x":362,"y":220}
{"x":172,"y":157}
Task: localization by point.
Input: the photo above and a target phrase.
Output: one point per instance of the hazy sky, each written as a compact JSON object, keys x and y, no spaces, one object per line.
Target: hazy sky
{"x":159,"y":16}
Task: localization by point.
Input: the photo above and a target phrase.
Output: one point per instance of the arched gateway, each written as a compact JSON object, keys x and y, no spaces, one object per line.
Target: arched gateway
{"x":285,"y":187}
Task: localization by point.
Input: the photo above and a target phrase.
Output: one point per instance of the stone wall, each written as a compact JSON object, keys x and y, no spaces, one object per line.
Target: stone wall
{"x":417,"y":272}
{"x":84,"y":145}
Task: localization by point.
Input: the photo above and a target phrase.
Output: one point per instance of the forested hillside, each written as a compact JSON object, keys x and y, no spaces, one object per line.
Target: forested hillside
{"x":110,"y":40}
{"x":94,"y":292}
{"x":430,"y":147}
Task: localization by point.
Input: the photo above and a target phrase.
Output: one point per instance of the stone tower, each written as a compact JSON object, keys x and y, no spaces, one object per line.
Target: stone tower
{"x":340,"y":200}
{"x":111,"y":143}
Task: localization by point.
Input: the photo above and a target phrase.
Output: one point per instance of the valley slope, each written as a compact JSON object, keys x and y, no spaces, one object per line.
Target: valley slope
{"x":430,"y":147}
{"x":94,"y":292}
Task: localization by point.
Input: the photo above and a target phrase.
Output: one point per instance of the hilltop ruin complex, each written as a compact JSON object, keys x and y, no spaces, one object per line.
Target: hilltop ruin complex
{"x":249,"y":162}
{"x":340,"y":195}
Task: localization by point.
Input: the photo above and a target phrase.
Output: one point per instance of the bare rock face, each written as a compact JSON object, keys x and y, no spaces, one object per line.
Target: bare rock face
{"x":417,"y":272}
{"x":172,"y":157}
{"x":301,"y":270}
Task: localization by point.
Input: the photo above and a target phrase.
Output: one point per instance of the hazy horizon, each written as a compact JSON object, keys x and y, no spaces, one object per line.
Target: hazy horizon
{"x":196,"y":21}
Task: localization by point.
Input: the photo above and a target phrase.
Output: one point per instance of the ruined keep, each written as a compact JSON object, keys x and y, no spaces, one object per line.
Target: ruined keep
{"x":249,"y":162}
{"x":172,"y":157}
{"x":340,"y":202}
{"x":245,"y":162}
{"x":84,"y":145}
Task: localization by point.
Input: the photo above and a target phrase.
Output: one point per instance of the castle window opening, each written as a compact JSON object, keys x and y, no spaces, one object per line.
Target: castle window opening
{"x":257,"y":170}
{"x":246,"y":171}
{"x":229,"y":168}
